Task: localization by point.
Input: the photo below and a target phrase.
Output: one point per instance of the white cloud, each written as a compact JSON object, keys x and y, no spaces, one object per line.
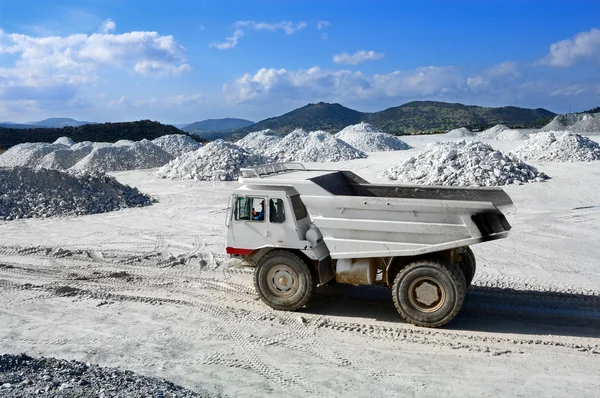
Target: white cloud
{"x":506,"y":68}
{"x":322,"y":25}
{"x":357,"y":57}
{"x":566,"y":53}
{"x":61,"y":64}
{"x":242,"y":26}
{"x":108,"y":26}
{"x":229,"y":42}
{"x":272,"y":84}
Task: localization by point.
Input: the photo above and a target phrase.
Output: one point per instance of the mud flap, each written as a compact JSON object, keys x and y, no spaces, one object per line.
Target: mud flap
{"x":325,"y":270}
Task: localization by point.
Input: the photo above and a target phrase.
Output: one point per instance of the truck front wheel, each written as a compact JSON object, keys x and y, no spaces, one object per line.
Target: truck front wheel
{"x":429,"y":292}
{"x":283,"y":281}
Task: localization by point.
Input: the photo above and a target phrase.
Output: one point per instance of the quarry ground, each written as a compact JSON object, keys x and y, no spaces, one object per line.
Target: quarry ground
{"x":148,"y":290}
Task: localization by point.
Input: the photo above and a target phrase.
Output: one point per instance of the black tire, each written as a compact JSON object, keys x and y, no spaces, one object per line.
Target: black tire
{"x":429,"y":292}
{"x":284,"y":281}
{"x":468,"y":265}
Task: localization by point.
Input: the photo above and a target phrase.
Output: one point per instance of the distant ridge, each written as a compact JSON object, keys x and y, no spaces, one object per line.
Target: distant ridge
{"x":209,"y":126}
{"x":411,"y":118}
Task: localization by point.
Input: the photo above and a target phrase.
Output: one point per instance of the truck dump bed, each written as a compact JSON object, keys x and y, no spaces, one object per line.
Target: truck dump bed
{"x":358,"y":219}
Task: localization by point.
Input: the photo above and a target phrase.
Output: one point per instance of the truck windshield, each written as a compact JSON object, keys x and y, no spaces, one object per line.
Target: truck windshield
{"x":299,"y":208}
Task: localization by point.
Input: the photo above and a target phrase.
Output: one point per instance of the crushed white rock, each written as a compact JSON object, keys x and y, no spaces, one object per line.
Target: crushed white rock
{"x":558,"y":146}
{"x":316,"y":146}
{"x":216,"y":161}
{"x":259,"y":141}
{"x":41,"y":193}
{"x":177,"y":144}
{"x":492,"y":132}
{"x":463,"y":164}
{"x":368,"y":138}
{"x":123,"y":156}
{"x":459,"y":133}
{"x":575,"y":122}
{"x":28,"y":154}
{"x":512,"y":135}
{"x":64,"y":141}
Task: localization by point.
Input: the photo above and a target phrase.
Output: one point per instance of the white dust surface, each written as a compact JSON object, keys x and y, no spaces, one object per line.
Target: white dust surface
{"x":64,"y":141}
{"x":559,"y":146}
{"x":146,"y":289}
{"x":463,"y":163}
{"x":216,"y":161}
{"x":368,"y":138}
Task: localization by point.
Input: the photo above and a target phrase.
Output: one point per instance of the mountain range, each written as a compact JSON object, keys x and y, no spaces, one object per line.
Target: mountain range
{"x":53,"y":122}
{"x":415,"y":117}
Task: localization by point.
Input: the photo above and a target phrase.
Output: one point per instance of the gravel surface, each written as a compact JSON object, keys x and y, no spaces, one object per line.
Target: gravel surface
{"x":41,"y":193}
{"x":558,"y":146}
{"x":463,"y":164}
{"x":368,"y":138}
{"x":24,"y":376}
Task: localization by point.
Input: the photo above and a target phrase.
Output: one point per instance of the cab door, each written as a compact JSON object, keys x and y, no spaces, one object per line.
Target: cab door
{"x":249,"y":227}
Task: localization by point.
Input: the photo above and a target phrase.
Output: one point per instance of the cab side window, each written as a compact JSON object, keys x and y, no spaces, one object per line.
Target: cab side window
{"x":276,"y":211}
{"x":250,"y":209}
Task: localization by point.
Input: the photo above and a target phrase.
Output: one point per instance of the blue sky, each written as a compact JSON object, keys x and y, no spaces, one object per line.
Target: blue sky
{"x":181,"y":61}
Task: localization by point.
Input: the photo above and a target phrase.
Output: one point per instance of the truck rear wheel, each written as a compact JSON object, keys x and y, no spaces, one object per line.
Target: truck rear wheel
{"x":284,"y":281}
{"x":429,"y":292}
{"x":468,"y":265}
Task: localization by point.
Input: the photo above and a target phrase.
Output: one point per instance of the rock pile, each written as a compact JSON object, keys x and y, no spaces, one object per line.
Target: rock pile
{"x":259,"y":141}
{"x":368,"y":138}
{"x":41,"y":193}
{"x":177,"y":144}
{"x":463,"y":164}
{"x":558,"y":146}
{"x":575,"y":122}
{"x":459,"y":133}
{"x":492,"y":132}
{"x":316,"y":146}
{"x":123,"y":156}
{"x":216,"y":161}
{"x":24,"y":376}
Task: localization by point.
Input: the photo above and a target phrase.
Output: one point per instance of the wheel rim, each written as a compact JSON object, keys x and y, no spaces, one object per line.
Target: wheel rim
{"x":282,"y":280}
{"x":426,"y":294}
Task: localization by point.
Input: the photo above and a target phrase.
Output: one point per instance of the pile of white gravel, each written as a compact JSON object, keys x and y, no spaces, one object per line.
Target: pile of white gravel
{"x":459,"y":133}
{"x":512,"y":135}
{"x":368,"y":138}
{"x":463,"y":164}
{"x":492,"y":132}
{"x":123,"y":156}
{"x":177,"y":144}
{"x":28,"y":154}
{"x":558,"y":146}
{"x":216,"y":161}
{"x":27,"y":193}
{"x":316,"y":146}
{"x":259,"y":141}
{"x":575,"y":122}
{"x":65,"y":154}
{"x":64,"y":141}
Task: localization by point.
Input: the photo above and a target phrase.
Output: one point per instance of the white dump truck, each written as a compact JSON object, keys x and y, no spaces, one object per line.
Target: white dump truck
{"x":301,"y":228}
